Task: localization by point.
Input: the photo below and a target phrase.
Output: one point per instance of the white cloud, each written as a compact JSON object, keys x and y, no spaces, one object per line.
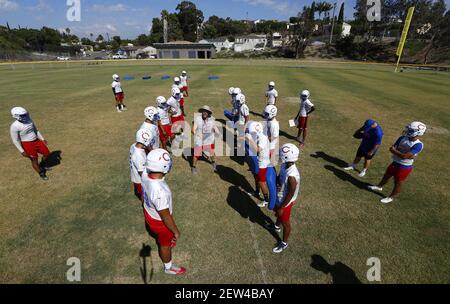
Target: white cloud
{"x":86,"y":30}
{"x":119,"y":7}
{"x":7,"y":5}
{"x":42,"y":5}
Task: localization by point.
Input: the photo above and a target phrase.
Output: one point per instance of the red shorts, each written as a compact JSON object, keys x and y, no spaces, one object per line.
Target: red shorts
{"x":168,"y":130}
{"x":400,"y":174}
{"x":138,"y":190}
{"x":33,"y":148}
{"x":262,"y":175}
{"x":185,"y":89}
{"x":119,"y":96}
{"x":286,"y":217}
{"x":303,"y":123}
{"x":177,"y":118}
{"x":182,"y":102}
{"x":199,"y":150}
{"x":164,"y":236}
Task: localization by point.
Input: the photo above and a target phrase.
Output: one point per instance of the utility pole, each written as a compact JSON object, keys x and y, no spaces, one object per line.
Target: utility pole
{"x":332,"y":23}
{"x":165,"y":30}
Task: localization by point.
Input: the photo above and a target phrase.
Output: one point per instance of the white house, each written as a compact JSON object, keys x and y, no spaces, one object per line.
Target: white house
{"x":277,"y":40}
{"x":219,"y":43}
{"x":250,"y":42}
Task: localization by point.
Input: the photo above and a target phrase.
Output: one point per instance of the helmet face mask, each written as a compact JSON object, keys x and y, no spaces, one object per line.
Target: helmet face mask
{"x":116,"y":77}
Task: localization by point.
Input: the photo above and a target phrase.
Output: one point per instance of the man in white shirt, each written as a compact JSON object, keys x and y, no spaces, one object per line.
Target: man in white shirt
{"x":151,"y":125}
{"x":204,"y":131}
{"x":119,"y":95}
{"x":138,"y":159}
{"x":306,"y":109}
{"x":28,"y":140}
{"x":272,"y":130}
{"x":158,"y":208}
{"x":184,"y":83}
{"x":289,"y":188}
{"x":271,"y":94}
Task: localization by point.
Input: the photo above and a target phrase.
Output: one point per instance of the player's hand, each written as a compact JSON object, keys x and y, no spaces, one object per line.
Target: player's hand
{"x":370,"y":154}
{"x":24,"y":154}
{"x":392,"y":149}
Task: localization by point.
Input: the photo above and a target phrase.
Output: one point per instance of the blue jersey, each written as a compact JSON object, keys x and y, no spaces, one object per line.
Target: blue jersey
{"x":372,"y":137}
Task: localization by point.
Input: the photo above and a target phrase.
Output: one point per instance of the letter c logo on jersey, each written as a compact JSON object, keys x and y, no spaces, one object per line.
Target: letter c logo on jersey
{"x":145,"y":135}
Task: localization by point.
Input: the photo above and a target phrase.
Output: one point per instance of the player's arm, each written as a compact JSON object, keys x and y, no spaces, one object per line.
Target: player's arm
{"x":15,"y":138}
{"x":312,"y":110}
{"x":194,"y":128}
{"x":372,"y":151}
{"x":396,"y":152}
{"x":252,"y":144}
{"x":168,"y":220}
{"x":292,"y":185}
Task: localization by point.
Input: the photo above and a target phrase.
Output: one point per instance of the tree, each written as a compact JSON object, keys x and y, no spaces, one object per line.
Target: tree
{"x":190,"y":19}
{"x":143,"y":40}
{"x":302,"y":31}
{"x":100,"y":39}
{"x":340,"y":20}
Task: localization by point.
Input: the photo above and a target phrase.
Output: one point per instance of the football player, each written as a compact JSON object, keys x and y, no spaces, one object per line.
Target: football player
{"x":28,"y":140}
{"x":271,"y":94}
{"x":118,"y":92}
{"x":177,"y":85}
{"x":204,"y":130}
{"x":234,"y":114}
{"x":372,"y":135}
{"x":306,"y":109}
{"x":151,"y":124}
{"x":165,"y":127}
{"x":158,"y":208}
{"x":289,"y":188}
{"x":404,"y":152}
{"x":272,"y":129}
{"x":138,"y":159}
{"x":184,"y":83}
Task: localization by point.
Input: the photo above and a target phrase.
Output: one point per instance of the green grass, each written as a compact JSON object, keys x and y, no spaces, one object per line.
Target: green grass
{"x":87,"y":209}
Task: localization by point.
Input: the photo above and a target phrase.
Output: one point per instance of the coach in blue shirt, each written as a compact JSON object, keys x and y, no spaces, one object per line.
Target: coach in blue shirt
{"x":372,"y":135}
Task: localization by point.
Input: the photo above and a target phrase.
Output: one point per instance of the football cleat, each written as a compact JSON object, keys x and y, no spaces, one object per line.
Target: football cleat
{"x":280,"y":247}
{"x":175,"y":270}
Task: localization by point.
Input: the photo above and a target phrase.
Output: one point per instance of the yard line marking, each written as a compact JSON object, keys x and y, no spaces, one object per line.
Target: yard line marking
{"x":258,"y":253}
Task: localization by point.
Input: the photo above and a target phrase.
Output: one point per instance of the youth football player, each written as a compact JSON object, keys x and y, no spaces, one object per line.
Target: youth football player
{"x":306,"y":109}
{"x":184,"y":83}
{"x":372,"y":135}
{"x":158,"y":208}
{"x":404,"y":152}
{"x":138,"y":159}
{"x":272,"y":129}
{"x":118,"y":92}
{"x":271,"y":94}
{"x":151,"y":125}
{"x":28,"y":140}
{"x":165,"y":130}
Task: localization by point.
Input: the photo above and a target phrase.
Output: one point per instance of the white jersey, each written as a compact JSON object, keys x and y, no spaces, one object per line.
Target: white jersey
{"x":178,"y":86}
{"x":157,"y":196}
{"x":305,"y":107}
{"x":24,"y":132}
{"x":272,"y":96}
{"x":205,"y":131}
{"x":164,"y":116}
{"x":117,"y":86}
{"x":138,"y":158}
{"x":263,"y":155}
{"x":184,"y":80}
{"x":154,"y":131}
{"x":284,"y":183}
{"x":272,"y":131}
{"x":405,"y":145}
{"x":243,"y":112}
{"x":175,"y":105}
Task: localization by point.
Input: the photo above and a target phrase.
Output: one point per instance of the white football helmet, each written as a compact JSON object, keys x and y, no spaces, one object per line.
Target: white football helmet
{"x":241,"y":99}
{"x":415,"y":128}
{"x":183,"y":73}
{"x":230,"y":91}
{"x":115,"y":77}
{"x":270,"y":112}
{"x":176,"y":80}
{"x":143,"y":136}
{"x":20,"y":114}
{"x":161,"y":101}
{"x":305,"y":94}
{"x":159,"y":161}
{"x":271,"y":84}
{"x":255,"y":128}
{"x":151,"y":113}
{"x":289,"y":153}
{"x":237,"y":91}
{"x":176,"y":93}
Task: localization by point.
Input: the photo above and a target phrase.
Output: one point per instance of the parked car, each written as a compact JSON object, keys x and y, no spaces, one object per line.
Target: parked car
{"x":62,"y":58}
{"x":119,"y":56}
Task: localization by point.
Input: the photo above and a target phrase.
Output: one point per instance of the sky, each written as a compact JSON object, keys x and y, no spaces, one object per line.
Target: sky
{"x":130,"y":18}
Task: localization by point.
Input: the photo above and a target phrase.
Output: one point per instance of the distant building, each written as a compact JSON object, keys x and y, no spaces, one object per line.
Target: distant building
{"x":277,"y":40}
{"x":146,"y":52}
{"x":250,"y":43}
{"x":129,"y":51}
{"x":219,"y":43}
{"x":185,"y":50}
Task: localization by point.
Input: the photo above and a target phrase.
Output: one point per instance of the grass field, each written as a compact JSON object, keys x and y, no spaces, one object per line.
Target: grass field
{"x":87,"y":209}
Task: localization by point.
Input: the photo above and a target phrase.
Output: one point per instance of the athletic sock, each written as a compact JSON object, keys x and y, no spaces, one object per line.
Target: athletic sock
{"x":167,"y":266}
